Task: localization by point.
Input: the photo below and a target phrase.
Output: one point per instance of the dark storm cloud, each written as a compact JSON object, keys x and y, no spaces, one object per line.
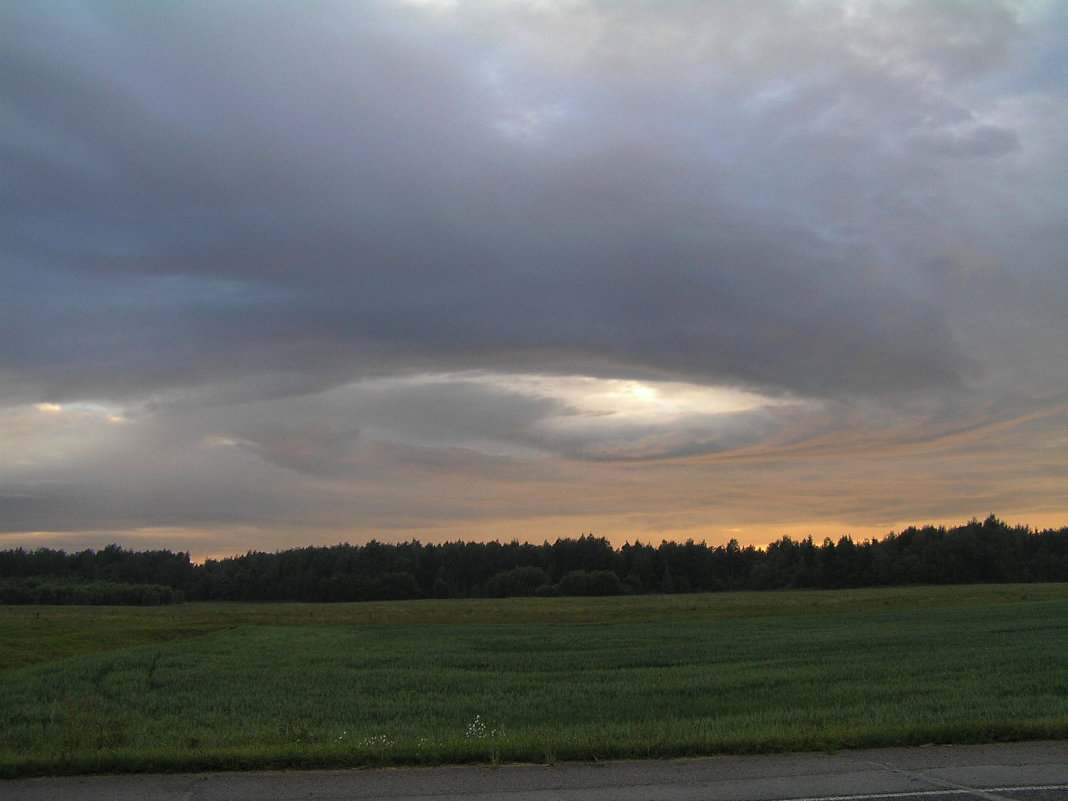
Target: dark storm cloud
{"x":339,"y":187}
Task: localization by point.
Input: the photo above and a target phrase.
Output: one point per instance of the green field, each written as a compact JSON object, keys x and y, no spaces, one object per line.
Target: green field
{"x":221,"y":686}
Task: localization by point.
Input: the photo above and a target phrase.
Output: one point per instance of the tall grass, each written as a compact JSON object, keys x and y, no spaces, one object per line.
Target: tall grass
{"x":278,"y":687}
{"x":31,"y":634}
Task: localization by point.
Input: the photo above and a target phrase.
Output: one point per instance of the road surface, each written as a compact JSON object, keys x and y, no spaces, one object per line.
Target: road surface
{"x":1006,"y":772}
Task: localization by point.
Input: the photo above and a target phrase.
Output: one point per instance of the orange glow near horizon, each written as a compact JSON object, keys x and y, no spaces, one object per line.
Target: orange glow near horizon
{"x":203,"y":545}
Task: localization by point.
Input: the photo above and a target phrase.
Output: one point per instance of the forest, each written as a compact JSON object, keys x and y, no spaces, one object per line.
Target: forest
{"x":987,"y":551}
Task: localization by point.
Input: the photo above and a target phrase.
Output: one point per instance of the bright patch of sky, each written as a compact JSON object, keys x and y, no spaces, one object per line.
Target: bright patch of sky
{"x":620,"y":402}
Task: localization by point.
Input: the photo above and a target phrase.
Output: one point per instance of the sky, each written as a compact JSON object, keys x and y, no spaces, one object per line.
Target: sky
{"x":276,"y":274}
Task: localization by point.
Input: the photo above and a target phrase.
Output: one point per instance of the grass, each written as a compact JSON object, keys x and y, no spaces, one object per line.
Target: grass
{"x":287,"y":686}
{"x":32,"y":634}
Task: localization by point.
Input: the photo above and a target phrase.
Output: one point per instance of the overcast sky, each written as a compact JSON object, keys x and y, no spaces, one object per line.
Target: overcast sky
{"x":286,"y":273}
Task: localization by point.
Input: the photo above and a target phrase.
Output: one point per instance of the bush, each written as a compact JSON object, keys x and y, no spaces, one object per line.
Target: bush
{"x":520,"y":582}
{"x":39,"y":591}
{"x":597,"y":582}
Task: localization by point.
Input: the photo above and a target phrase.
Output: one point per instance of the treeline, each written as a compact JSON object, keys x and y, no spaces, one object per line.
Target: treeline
{"x":85,"y":593}
{"x":977,"y":552}
{"x":113,"y":576}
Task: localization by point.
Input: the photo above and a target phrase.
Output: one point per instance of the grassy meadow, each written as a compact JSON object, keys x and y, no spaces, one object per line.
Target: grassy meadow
{"x":240,"y":686}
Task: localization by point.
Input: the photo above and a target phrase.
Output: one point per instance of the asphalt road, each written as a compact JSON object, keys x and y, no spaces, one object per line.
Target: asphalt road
{"x":1010,"y":772}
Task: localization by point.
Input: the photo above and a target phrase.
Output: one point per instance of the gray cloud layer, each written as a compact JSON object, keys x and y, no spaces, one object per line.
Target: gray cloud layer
{"x":211,"y":208}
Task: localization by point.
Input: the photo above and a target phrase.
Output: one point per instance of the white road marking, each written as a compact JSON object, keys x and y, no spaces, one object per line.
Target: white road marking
{"x":952,"y":790}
